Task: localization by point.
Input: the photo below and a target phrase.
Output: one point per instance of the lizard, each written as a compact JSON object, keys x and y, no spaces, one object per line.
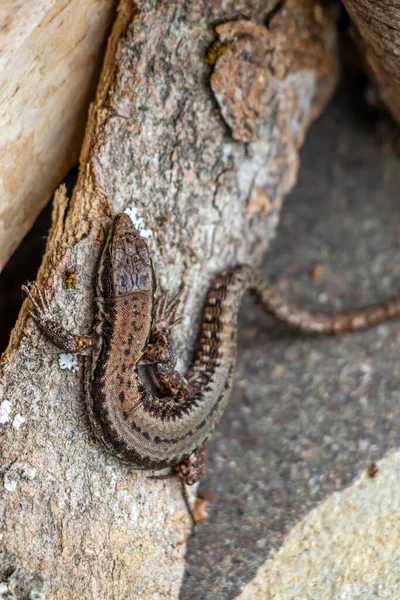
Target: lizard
{"x":170,"y":429}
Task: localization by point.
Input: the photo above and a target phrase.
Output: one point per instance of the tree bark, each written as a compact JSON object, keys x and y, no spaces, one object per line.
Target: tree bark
{"x":204,"y":153}
{"x":376,"y":31}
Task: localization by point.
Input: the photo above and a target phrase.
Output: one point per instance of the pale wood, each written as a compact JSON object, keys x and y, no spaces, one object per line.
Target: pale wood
{"x":50,"y":54}
{"x":155,"y":141}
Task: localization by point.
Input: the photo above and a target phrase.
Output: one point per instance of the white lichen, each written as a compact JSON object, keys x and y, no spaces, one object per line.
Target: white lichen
{"x":138,"y":222}
{"x":30,"y":473}
{"x":34,"y":595}
{"x":5,"y":410}
{"x":18,"y":420}
{"x":10,"y":485}
{"x":5,"y":593}
{"x":68,"y":361}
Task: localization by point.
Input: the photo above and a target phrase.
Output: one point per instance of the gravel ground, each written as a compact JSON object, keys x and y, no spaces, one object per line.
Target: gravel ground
{"x":308,"y":414}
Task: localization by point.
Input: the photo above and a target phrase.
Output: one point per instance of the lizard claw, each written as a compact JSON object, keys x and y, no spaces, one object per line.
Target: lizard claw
{"x":41,"y":310}
{"x":166,"y":309}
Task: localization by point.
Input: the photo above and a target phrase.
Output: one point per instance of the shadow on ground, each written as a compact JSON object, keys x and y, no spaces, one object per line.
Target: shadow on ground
{"x":308,"y":414}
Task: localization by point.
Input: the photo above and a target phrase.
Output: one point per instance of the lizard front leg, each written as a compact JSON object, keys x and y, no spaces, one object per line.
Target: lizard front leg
{"x":44,"y":317}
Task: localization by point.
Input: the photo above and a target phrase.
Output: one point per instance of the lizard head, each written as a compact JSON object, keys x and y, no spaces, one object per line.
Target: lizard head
{"x":125,"y":265}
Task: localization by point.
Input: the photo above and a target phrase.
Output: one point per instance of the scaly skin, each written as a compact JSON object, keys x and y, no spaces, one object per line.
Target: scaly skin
{"x":170,"y":430}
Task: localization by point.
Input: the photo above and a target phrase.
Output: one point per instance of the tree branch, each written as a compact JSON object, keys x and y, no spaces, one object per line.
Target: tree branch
{"x":208,"y":183}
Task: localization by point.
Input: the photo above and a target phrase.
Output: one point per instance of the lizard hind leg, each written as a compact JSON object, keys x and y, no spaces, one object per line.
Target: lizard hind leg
{"x":192,"y":468}
{"x":189,"y":472}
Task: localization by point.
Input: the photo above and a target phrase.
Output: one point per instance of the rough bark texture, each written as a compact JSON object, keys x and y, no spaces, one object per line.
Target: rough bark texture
{"x":209,"y":187}
{"x":376,"y":31}
{"x":50,"y":52}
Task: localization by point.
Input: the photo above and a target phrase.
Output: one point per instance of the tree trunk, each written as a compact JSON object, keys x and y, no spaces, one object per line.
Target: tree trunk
{"x":376,"y":31}
{"x":204,"y":153}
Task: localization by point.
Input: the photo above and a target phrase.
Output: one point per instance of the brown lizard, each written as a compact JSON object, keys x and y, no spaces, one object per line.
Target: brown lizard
{"x":170,"y":429}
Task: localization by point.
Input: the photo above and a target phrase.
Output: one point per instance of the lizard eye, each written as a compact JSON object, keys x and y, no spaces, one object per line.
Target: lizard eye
{"x":142,"y":280}
{"x":124,"y":280}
